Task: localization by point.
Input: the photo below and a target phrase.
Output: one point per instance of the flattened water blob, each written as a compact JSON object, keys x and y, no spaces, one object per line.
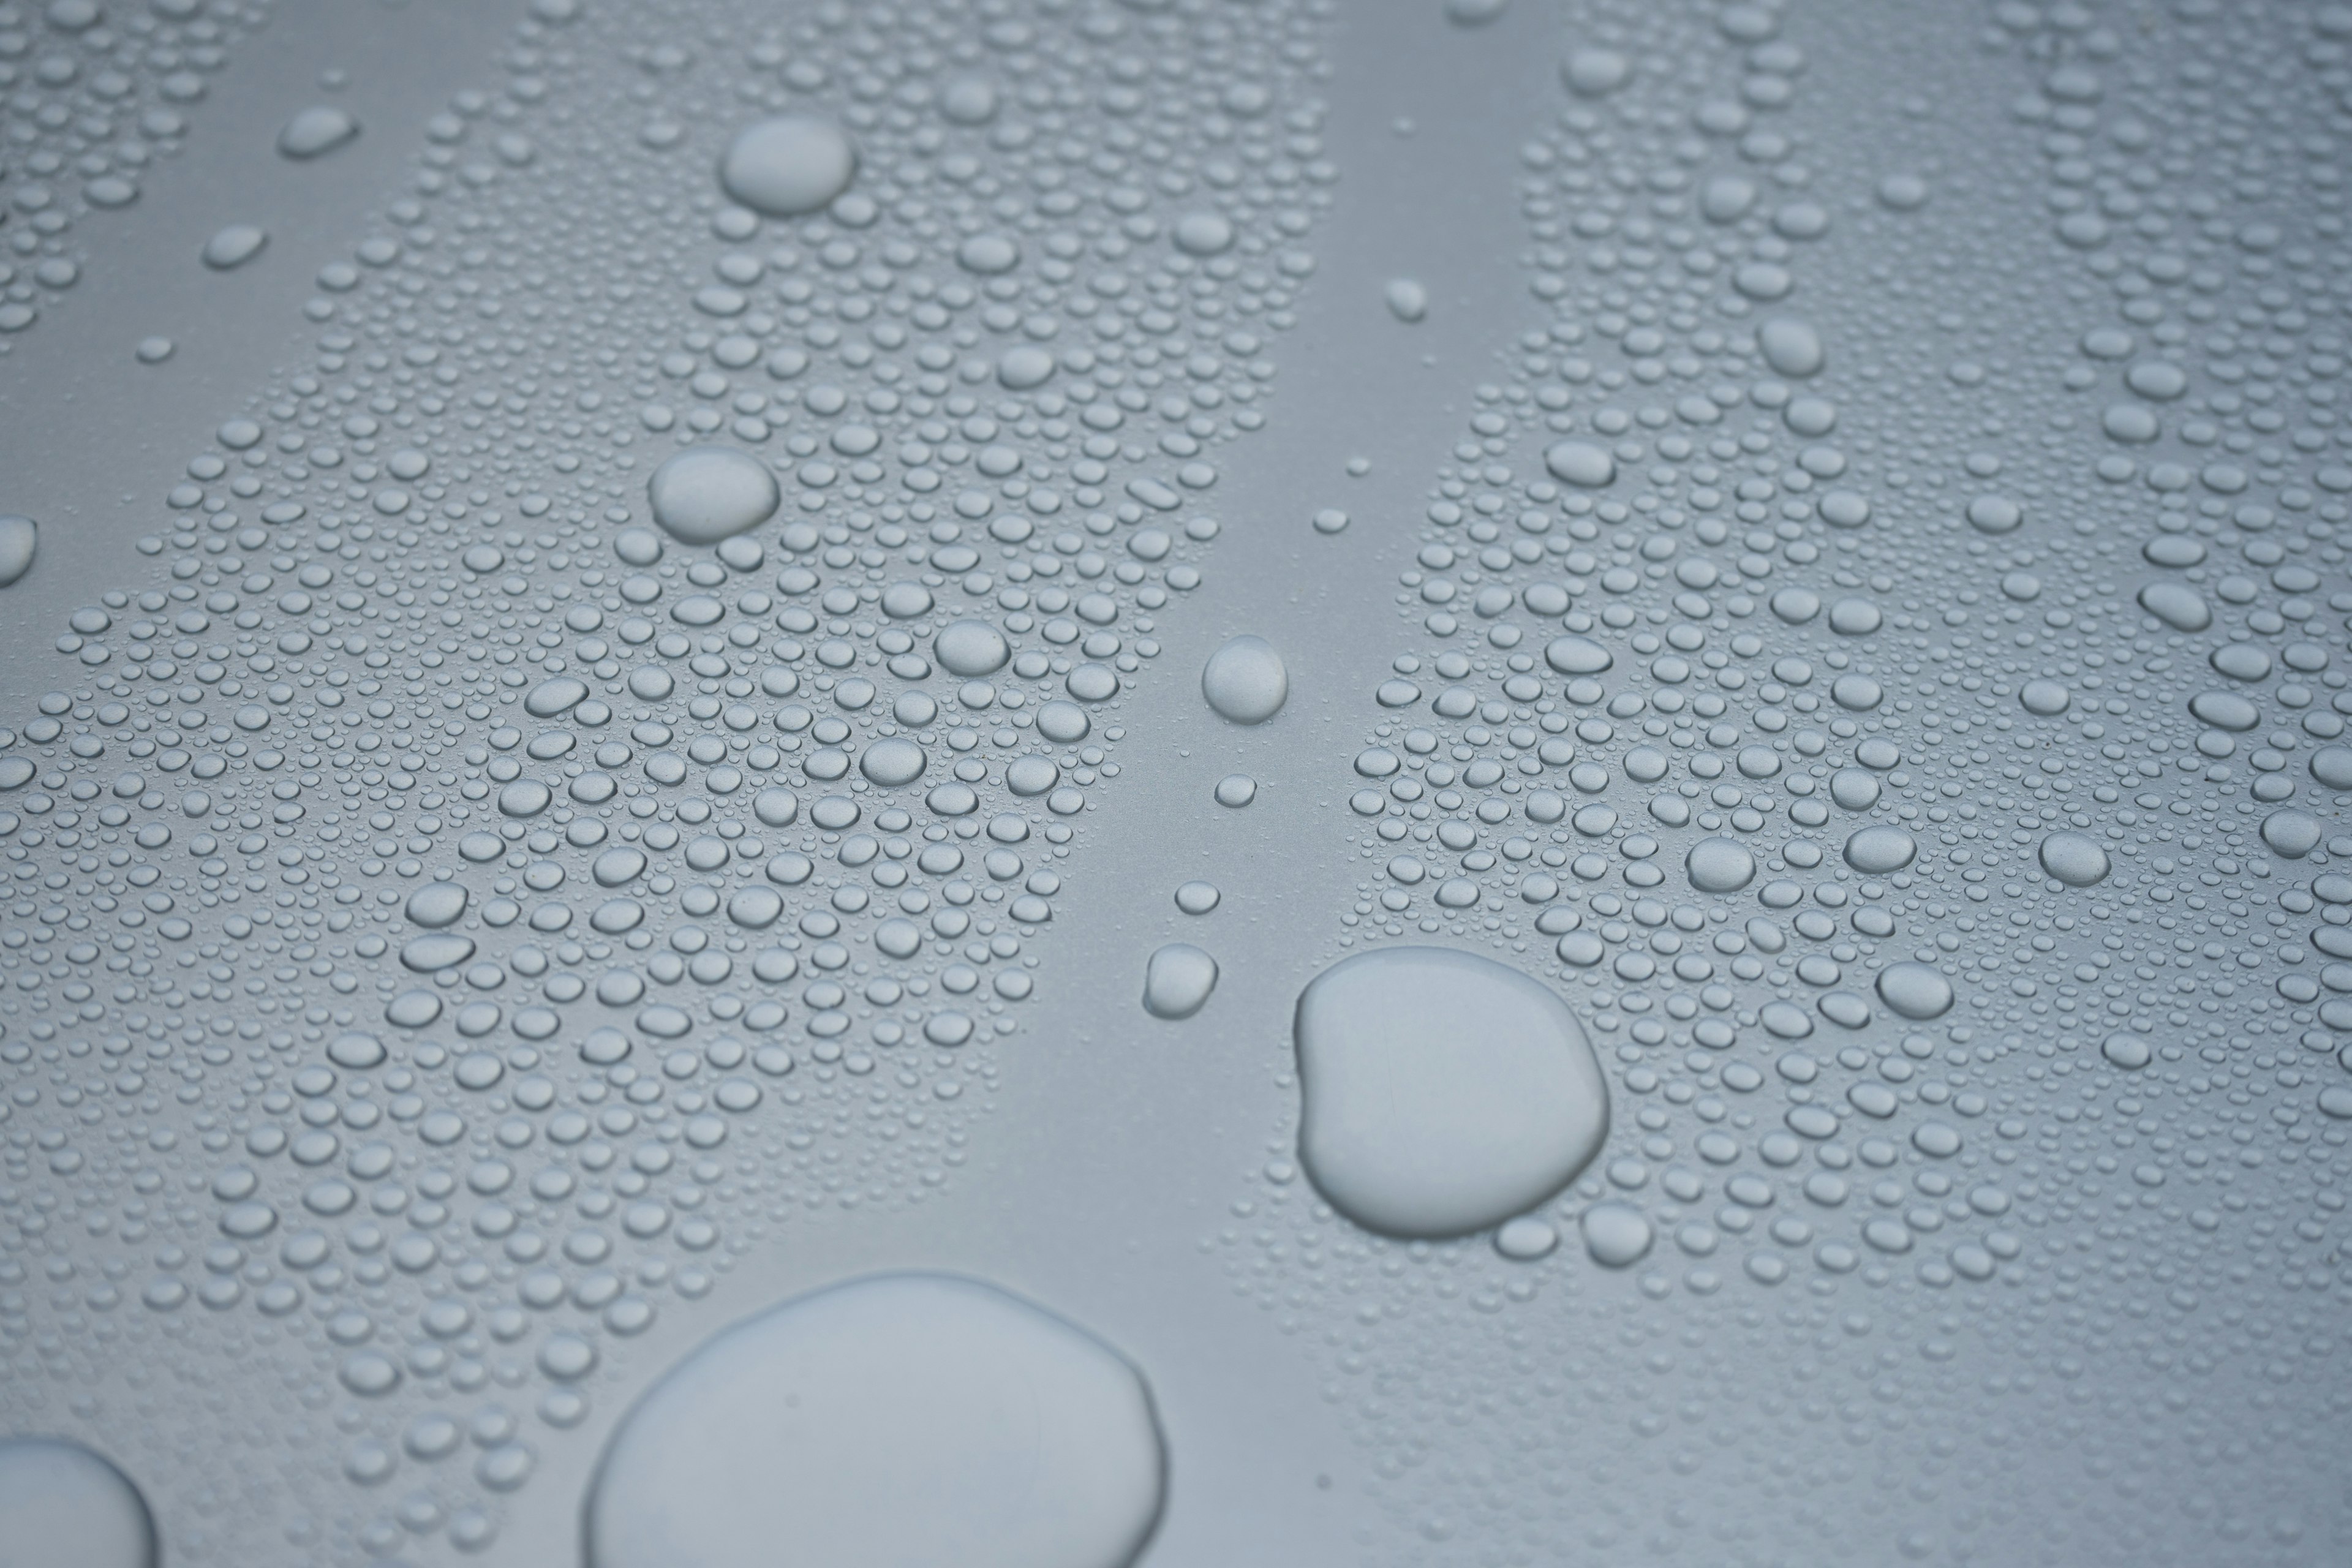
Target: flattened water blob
{"x":792,"y":164}
{"x":898,"y":1420}
{"x":20,"y":541}
{"x":62,"y":1506}
{"x":705,"y":494}
{"x":1443,"y":1092}
{"x":1177,"y":981}
{"x":1245,"y":680}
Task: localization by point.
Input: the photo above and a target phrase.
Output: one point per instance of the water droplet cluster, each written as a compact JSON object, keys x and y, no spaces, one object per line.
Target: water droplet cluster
{"x":591,"y":764}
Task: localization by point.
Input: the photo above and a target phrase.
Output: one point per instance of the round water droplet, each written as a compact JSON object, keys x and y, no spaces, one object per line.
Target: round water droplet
{"x":1408,"y":301}
{"x":975,"y":647}
{"x":2331,"y":767}
{"x":1236,"y":790}
{"x":1719,"y":866}
{"x":906,"y":1418}
{"x":792,"y":164}
{"x":2128,"y":1051}
{"x":62,"y":1506}
{"x":2073,"y":858}
{"x":892,"y":762}
{"x":1918,"y":991}
{"x":20,"y":541}
{"x":1877,"y":850}
{"x":1442,"y":1092}
{"x":1245,"y":680}
{"x":1527,"y":1238}
{"x":316,"y":132}
{"x":705,"y":494}
{"x":1616,"y":1235}
{"x":1177,"y":981}
{"x":2292,"y":834}
{"x":1197,"y":898}
{"x":1577,"y":656}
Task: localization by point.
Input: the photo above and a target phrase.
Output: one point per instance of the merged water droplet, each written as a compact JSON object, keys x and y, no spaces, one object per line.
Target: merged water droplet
{"x":1442,"y":1092}
{"x":903,"y":1418}
{"x":62,"y":1506}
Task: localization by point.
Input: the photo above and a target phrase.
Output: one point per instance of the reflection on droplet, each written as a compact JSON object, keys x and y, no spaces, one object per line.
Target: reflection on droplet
{"x":900,"y":1419}
{"x":1443,"y":1092}
{"x":1245,"y":680}
{"x":792,"y":164}
{"x":1177,"y":981}
{"x":62,"y":1506}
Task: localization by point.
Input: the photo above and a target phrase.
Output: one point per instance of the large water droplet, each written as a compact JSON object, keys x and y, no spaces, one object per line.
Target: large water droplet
{"x":2075,"y":859}
{"x":901,"y":1419}
{"x":792,"y":164}
{"x":62,"y":1506}
{"x":1177,"y":981}
{"x":705,"y":494}
{"x":1443,"y":1092}
{"x":1616,"y":1235}
{"x":1719,"y":866}
{"x":1245,"y":682}
{"x":20,"y":540}
{"x":975,"y":647}
{"x":1874,"y":851}
{"x":1918,"y":991}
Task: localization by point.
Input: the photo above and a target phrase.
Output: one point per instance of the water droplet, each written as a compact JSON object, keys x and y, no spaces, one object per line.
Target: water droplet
{"x":62,"y":1506}
{"x":1918,"y":991}
{"x":317,"y":130}
{"x":975,"y":647}
{"x":2292,"y":834}
{"x":1177,"y":981}
{"x":1408,"y":301}
{"x":1245,"y":682}
{"x":20,"y":541}
{"x":705,"y":494}
{"x":1197,"y":898}
{"x":2128,"y":1051}
{"x":1877,"y":851}
{"x":909,"y":1418}
{"x":1236,"y":790}
{"x":1617,"y":1235}
{"x":1791,"y":347}
{"x":1719,"y":866}
{"x":436,"y":904}
{"x":234,"y":247}
{"x":1581,"y":463}
{"x":2177,"y":605}
{"x":1591,"y":72}
{"x":792,"y":164}
{"x":892,"y":762}
{"x":2073,"y":858}
{"x":1442,"y":1092}
{"x":1527,"y":1238}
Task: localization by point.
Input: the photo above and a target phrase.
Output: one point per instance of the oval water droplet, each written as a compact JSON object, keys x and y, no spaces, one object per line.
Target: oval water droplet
{"x":705,"y":494}
{"x":1177,"y":981}
{"x":791,"y":164}
{"x":2073,"y":858}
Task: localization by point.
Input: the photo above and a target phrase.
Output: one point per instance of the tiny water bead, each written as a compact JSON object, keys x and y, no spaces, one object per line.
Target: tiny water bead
{"x":1245,"y":680}
{"x":790,"y":165}
{"x":1442,"y":1092}
{"x":1178,"y":979}
{"x":62,"y":1506}
{"x":707,"y":494}
{"x":901,"y":1418}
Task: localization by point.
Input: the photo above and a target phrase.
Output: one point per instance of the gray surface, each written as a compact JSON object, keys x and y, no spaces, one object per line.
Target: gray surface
{"x":1119,"y":1172}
